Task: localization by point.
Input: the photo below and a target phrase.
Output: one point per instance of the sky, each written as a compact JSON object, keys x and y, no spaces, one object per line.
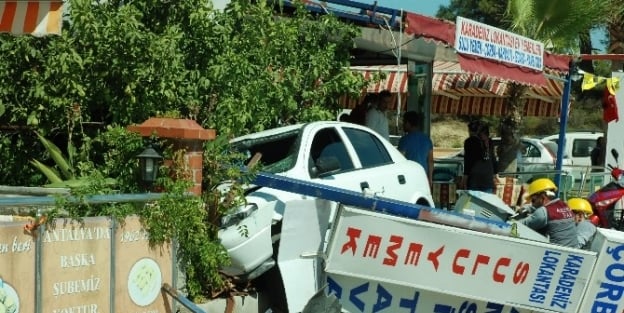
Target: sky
{"x":424,"y":7}
{"x":430,"y":8}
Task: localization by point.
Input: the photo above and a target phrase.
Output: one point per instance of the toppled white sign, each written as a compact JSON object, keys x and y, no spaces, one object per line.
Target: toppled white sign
{"x":458,"y":262}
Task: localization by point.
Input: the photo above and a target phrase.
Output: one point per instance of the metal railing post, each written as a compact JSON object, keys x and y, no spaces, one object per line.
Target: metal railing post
{"x":563,"y":122}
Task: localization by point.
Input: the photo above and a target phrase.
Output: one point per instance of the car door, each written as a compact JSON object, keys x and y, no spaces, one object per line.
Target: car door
{"x":382,"y":175}
{"x":531,"y":158}
{"x":331,"y":163}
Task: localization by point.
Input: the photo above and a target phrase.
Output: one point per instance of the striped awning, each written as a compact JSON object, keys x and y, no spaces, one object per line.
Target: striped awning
{"x":395,"y":77}
{"x":37,"y":18}
{"x":459,"y":93}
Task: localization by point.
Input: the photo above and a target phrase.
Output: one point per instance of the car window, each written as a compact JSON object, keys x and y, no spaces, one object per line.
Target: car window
{"x":278,"y":153}
{"x":582,"y":147}
{"x":369,"y":148}
{"x":328,"y":145}
{"x":531,"y":151}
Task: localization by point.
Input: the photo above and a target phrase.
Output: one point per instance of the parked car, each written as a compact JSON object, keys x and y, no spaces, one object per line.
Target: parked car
{"x":578,"y":149}
{"x":537,"y":158}
{"x":332,"y":153}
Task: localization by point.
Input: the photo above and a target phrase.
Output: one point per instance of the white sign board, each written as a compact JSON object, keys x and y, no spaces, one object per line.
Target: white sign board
{"x":362,"y":295}
{"x":615,"y":129}
{"x":485,"y":41}
{"x":463,"y":263}
{"x":606,"y":287}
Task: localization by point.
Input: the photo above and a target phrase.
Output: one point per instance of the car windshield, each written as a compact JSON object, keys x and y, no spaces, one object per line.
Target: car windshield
{"x":551,"y":146}
{"x":278,"y":153}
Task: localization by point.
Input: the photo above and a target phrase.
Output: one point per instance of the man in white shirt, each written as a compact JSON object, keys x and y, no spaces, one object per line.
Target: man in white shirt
{"x":376,"y":118}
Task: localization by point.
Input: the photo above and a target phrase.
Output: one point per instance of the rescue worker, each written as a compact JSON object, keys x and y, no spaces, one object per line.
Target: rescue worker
{"x":549,"y":215}
{"x":585,"y":230}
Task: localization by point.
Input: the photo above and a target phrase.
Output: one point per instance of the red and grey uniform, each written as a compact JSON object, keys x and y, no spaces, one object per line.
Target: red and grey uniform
{"x":556,"y":220}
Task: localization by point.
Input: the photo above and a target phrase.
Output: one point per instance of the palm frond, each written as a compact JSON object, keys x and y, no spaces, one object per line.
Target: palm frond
{"x":50,"y":173}
{"x":57,"y":156}
{"x":558,"y":21}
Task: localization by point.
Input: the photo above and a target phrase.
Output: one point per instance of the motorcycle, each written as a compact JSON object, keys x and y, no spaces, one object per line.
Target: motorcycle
{"x":604,"y":200}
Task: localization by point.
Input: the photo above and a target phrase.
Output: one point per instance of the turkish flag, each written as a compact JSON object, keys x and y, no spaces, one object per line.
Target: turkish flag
{"x":609,"y":107}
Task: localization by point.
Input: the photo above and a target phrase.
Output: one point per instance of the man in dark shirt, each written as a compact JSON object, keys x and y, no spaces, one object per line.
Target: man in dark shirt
{"x":478,"y":159}
{"x":597,"y":155}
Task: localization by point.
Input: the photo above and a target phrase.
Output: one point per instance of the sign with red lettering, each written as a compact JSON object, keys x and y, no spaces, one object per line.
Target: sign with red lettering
{"x":482,"y":40}
{"x":436,"y":257}
{"x":606,"y":287}
{"x":362,"y":295}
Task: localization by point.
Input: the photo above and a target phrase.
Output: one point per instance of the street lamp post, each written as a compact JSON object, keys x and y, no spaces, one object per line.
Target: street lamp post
{"x":149,"y":162}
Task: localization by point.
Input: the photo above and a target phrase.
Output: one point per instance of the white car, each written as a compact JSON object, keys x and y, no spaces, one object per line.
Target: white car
{"x":578,"y":147}
{"x":536,"y":159}
{"x":331,"y":153}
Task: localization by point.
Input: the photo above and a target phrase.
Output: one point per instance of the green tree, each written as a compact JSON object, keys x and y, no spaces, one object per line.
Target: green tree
{"x":292,"y":69}
{"x":559,"y":24}
{"x":491,"y":12}
{"x":615,"y":29}
{"x":120,"y":62}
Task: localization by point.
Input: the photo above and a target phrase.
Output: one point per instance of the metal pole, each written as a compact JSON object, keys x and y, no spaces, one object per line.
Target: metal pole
{"x":113,"y":265}
{"x":38,"y":265}
{"x":563,"y":123}
{"x":398,"y":112}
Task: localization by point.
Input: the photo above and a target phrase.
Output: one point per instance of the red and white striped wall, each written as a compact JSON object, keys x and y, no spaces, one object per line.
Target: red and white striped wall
{"x":37,"y":18}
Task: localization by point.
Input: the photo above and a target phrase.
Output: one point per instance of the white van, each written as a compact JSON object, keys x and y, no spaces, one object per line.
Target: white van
{"x":578,"y":147}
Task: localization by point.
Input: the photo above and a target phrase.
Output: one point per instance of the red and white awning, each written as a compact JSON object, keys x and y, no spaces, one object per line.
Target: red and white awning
{"x":395,"y":77}
{"x":459,"y":93}
{"x":38,"y":18}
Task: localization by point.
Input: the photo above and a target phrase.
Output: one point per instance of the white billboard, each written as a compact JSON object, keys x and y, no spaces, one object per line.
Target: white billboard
{"x":485,"y":41}
{"x":458,"y":262}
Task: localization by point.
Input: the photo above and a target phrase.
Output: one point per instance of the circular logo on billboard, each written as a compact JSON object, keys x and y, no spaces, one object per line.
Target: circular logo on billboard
{"x":9,"y":301}
{"x":144,"y":281}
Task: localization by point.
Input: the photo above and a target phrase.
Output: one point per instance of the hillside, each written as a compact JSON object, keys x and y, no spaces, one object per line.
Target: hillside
{"x":448,"y":133}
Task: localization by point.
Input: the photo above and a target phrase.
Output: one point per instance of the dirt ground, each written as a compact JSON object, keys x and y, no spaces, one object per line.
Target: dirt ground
{"x":439,"y":152}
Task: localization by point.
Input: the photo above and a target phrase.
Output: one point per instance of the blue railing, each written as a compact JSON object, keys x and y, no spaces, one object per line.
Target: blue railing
{"x":367,"y":14}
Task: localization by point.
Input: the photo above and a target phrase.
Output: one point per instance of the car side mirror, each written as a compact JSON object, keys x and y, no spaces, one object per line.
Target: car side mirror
{"x":326,"y":166}
{"x":615,"y":154}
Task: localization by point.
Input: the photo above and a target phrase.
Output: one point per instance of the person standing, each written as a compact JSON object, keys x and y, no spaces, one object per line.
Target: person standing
{"x":598,"y":156}
{"x":358,"y":114}
{"x":585,"y":230}
{"x":415,"y":145}
{"x":549,"y":215}
{"x":479,"y":160}
{"x":376,"y":118}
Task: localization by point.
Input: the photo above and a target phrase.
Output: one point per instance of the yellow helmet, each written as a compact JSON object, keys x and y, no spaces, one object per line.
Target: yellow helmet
{"x":539,"y":185}
{"x":580,"y":205}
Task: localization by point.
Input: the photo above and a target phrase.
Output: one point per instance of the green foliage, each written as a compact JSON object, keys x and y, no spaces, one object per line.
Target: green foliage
{"x":186,"y":219}
{"x":557,"y":23}
{"x":293,"y":69}
{"x":60,"y":160}
{"x":191,"y":220}
{"x":490,"y":12}
{"x":118,"y":63}
{"x":115,"y":152}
